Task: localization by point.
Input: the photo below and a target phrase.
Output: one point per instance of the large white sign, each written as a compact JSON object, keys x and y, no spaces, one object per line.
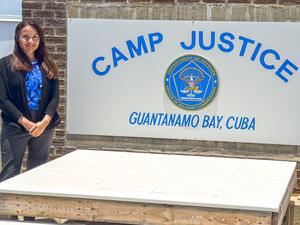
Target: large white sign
{"x":218,"y":81}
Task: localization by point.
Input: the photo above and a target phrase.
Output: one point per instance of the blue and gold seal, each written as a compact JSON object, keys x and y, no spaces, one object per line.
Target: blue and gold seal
{"x":191,"y":82}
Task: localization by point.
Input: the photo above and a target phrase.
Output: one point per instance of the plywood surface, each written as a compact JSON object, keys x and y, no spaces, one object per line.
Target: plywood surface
{"x":157,"y":178}
{"x":295,"y":210}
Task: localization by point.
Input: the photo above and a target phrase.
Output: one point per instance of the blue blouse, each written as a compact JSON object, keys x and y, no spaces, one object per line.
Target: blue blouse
{"x":33,"y":83}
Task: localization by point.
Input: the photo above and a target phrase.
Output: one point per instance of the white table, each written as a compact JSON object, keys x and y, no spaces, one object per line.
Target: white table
{"x":146,"y":188}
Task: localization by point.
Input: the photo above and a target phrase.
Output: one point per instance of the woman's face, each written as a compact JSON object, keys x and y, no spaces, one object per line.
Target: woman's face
{"x":29,"y":40}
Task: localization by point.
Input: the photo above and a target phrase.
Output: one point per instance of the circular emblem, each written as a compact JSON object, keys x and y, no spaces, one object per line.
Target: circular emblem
{"x":191,"y":82}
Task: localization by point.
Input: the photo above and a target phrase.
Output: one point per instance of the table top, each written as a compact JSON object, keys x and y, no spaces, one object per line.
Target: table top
{"x":216,"y":182}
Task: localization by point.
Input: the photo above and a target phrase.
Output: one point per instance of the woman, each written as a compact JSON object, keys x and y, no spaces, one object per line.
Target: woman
{"x":29,"y":97}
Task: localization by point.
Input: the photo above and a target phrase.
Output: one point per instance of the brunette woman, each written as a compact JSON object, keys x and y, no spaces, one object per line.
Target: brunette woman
{"x":29,"y":97}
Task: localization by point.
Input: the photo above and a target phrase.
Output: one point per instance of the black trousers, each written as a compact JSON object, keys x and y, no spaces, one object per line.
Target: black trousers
{"x":14,"y":141}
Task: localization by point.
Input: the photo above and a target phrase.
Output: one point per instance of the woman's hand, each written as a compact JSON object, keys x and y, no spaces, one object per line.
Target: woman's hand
{"x":40,"y":127}
{"x":26,"y":123}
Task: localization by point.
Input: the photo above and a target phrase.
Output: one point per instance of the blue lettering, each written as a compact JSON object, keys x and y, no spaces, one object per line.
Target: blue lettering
{"x":95,"y":69}
{"x":228,"y":122}
{"x":165,"y":120}
{"x":132,"y":118}
{"x":237,"y":123}
{"x":154,"y":39}
{"x":117,"y":56}
{"x":212,"y":40}
{"x":219,"y":119}
{"x":255,"y":52}
{"x":146,"y":120}
{"x":195,"y":120}
{"x":284,"y":68}
{"x":137,"y":50}
{"x":193,"y":42}
{"x":140,"y":119}
{"x":205,"y":121}
{"x":212,"y":122}
{"x":186,"y":120}
{"x":252,"y":124}
{"x":172,"y":119}
{"x":245,"y":43}
{"x":229,"y":45}
{"x":159,"y":119}
{"x":244,"y":123}
{"x":153,"y":119}
{"x":263,"y":56}
{"x":178,"y":120}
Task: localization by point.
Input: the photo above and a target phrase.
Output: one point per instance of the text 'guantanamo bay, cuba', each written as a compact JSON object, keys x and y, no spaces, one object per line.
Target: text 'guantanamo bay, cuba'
{"x":226,"y":42}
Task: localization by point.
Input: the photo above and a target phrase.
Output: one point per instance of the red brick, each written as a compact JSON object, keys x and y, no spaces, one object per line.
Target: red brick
{"x":62,"y":117}
{"x":60,"y":31}
{"x":55,"y":22}
{"x":265,"y":1}
{"x":60,"y":48}
{"x":58,"y":56}
{"x":92,"y":1}
{"x":60,"y":132}
{"x":54,"y":6}
{"x":239,"y":1}
{"x":100,"y":1}
{"x":61,"y":83}
{"x":61,"y":79}
{"x":39,"y":21}
{"x":214,"y":1}
{"x":183,"y":1}
{"x":133,"y":1}
{"x":58,"y":142}
{"x":289,"y":2}
{"x":32,"y":5}
{"x":59,"y":152}
{"x":55,"y":40}
{"x":62,"y":91}
{"x":50,"y":47}
{"x":26,"y":18}
{"x":163,"y":1}
{"x":60,"y":64}
{"x":27,"y":13}
{"x":60,"y":139}
{"x":62,"y":100}
{"x":61,"y":74}
{"x":61,"y":125}
{"x":60,"y":14}
{"x":48,"y":31}
{"x":43,"y":14}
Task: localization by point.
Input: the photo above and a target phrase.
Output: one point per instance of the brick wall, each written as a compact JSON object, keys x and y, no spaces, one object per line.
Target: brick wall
{"x":52,"y":14}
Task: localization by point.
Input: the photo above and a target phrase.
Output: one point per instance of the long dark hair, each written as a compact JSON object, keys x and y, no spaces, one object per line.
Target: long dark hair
{"x":21,"y":62}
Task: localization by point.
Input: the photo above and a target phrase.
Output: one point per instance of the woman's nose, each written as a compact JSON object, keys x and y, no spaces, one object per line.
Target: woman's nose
{"x":30,"y":40}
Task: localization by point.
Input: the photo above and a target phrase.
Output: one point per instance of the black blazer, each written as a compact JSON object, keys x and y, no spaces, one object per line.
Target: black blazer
{"x":13,"y":100}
